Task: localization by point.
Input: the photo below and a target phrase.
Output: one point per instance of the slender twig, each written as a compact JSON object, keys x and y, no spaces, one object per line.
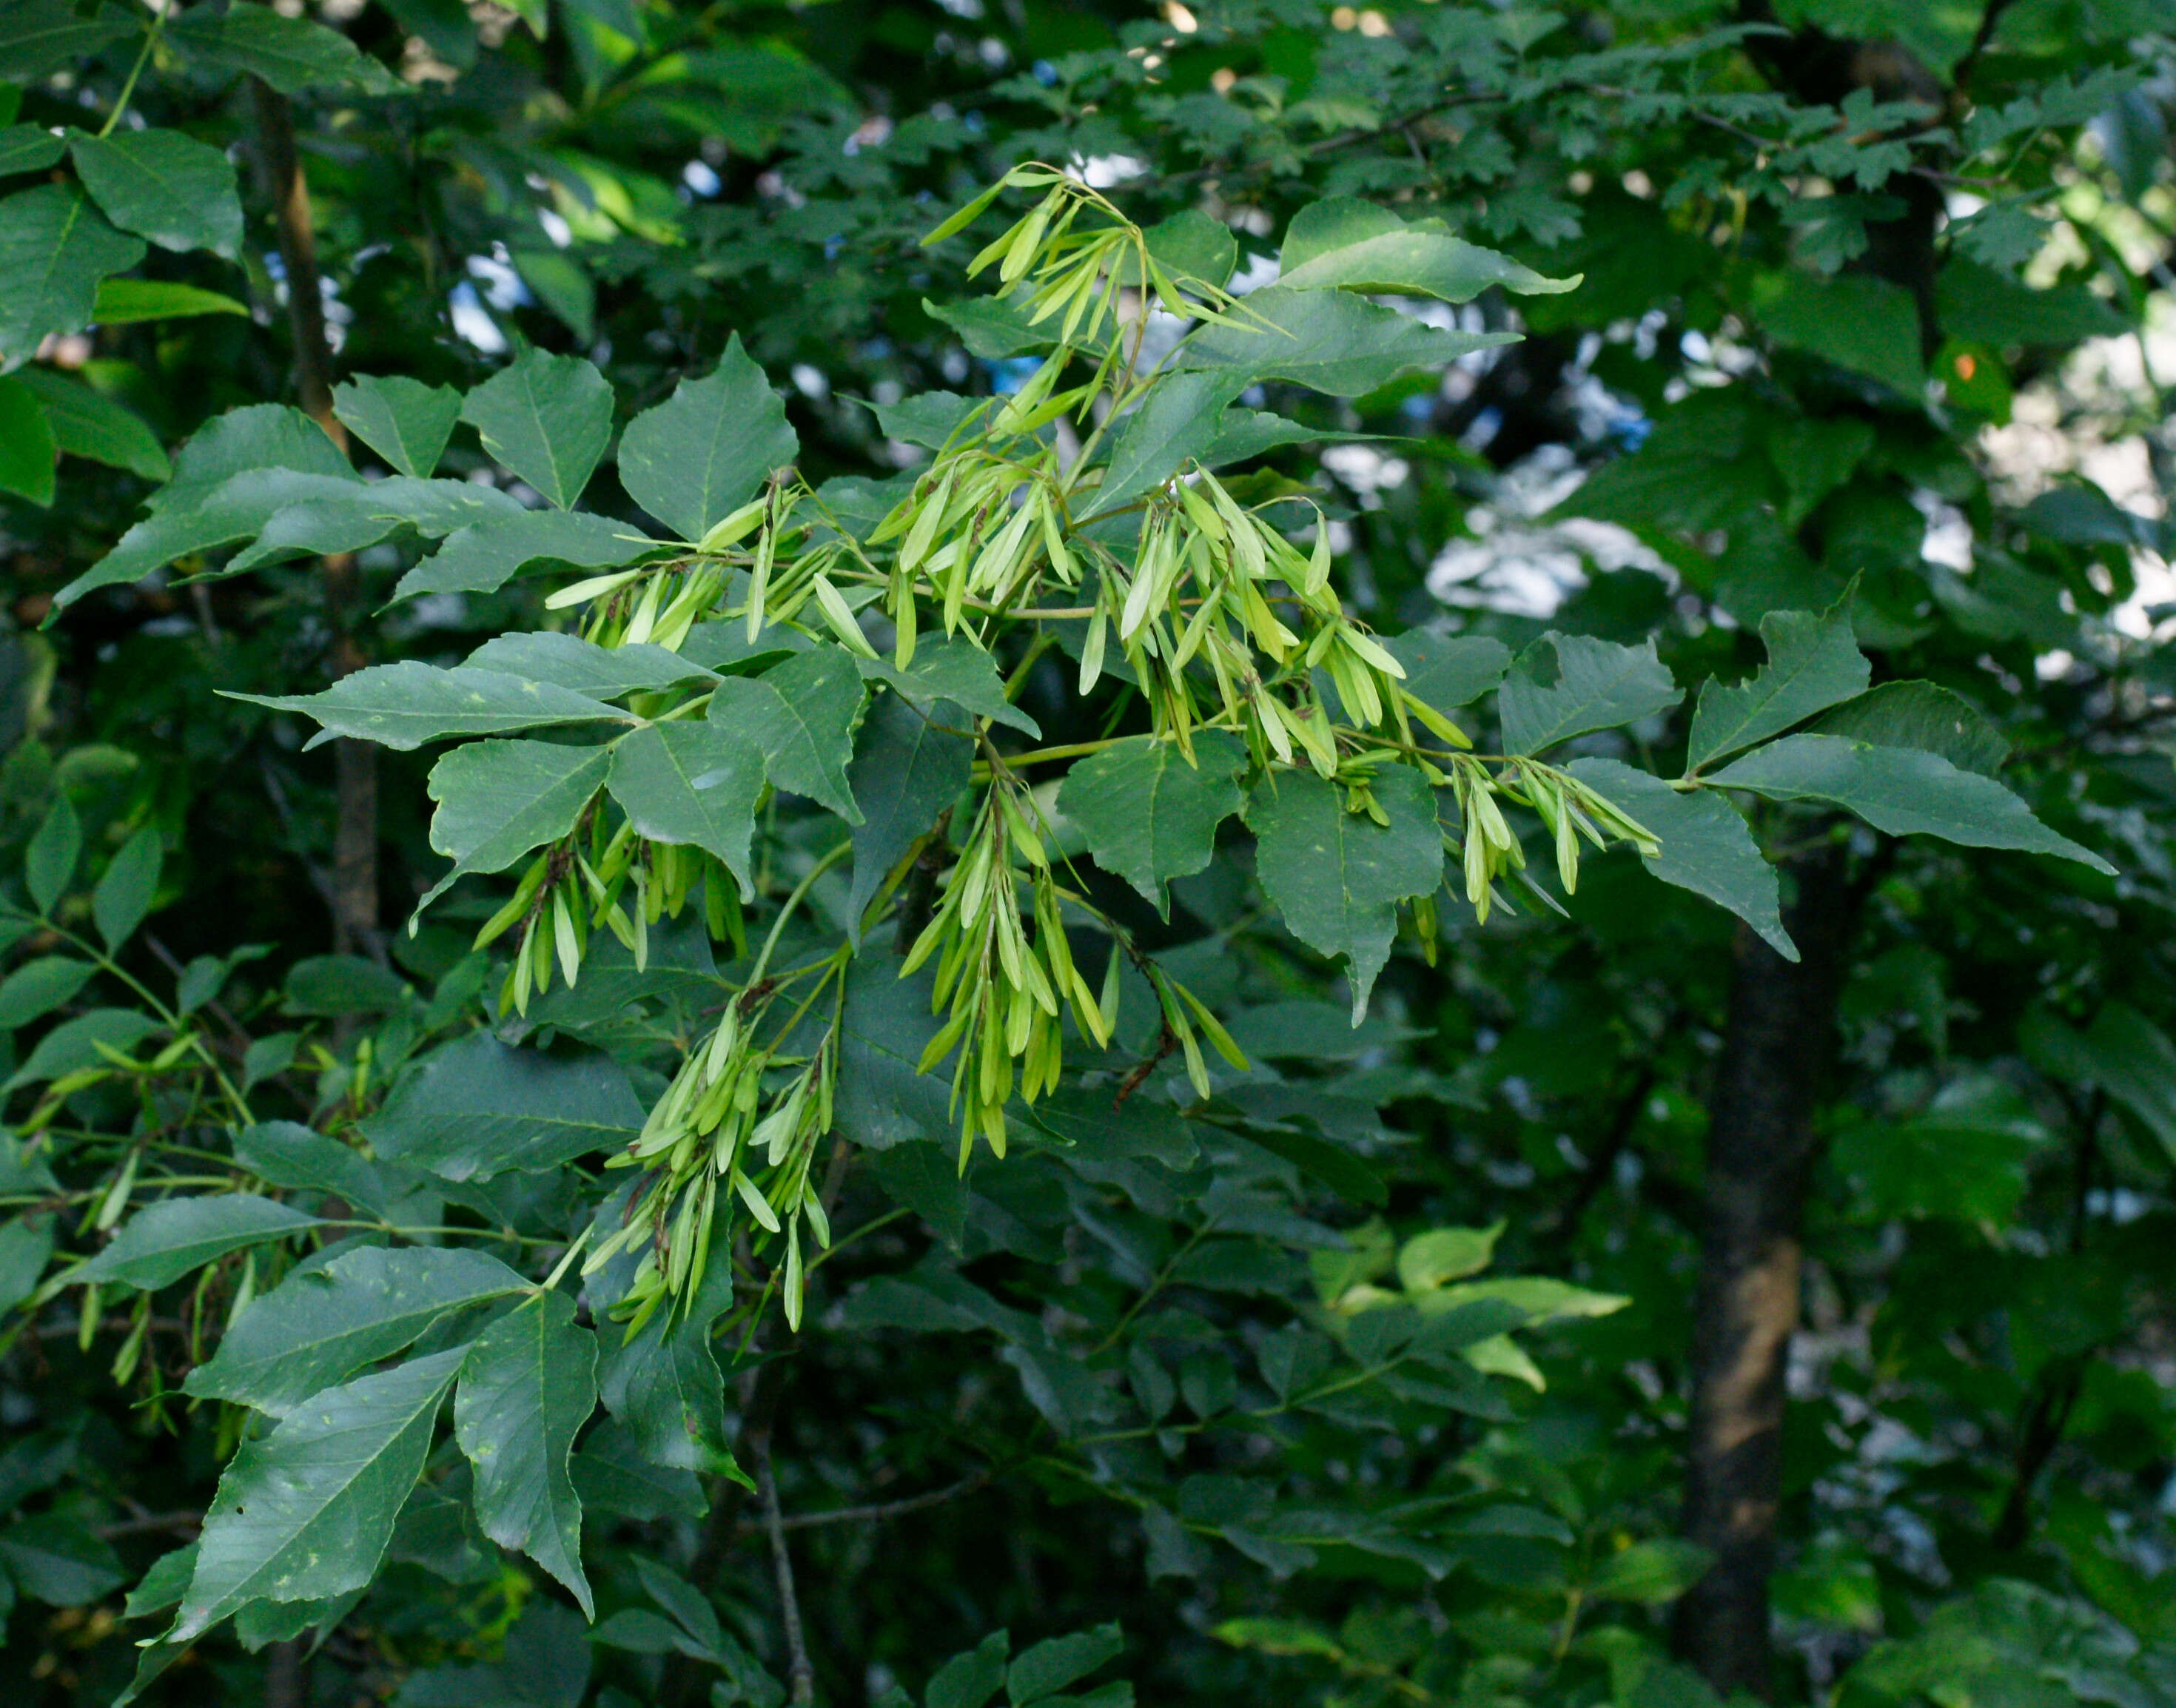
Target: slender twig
{"x":801,"y":1676}
{"x":151,"y":1524}
{"x":878,"y":1513}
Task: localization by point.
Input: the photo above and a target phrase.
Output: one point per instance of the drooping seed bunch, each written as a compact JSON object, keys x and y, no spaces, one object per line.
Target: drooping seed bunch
{"x":709,"y":1142}
{"x":1566,"y":807}
{"x":1008,"y":989}
{"x":623,"y":883}
{"x":978,"y":530}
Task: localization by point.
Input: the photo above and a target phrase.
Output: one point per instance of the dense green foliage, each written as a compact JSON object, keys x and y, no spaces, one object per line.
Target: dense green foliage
{"x":1058,"y":1058}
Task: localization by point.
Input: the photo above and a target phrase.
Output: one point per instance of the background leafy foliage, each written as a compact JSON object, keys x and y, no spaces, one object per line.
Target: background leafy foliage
{"x":1784,"y":240}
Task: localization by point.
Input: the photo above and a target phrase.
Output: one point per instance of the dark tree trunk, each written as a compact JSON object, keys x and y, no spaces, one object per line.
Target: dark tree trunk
{"x":354,"y":834}
{"x":1776,"y":1051}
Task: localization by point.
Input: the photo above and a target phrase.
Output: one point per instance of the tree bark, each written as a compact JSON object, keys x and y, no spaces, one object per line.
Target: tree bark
{"x":355,"y":763}
{"x":1778,"y":1047}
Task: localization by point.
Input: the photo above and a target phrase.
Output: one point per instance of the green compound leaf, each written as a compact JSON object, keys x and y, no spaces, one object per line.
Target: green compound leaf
{"x":126,"y":302}
{"x":1919,"y":715}
{"x":1813,"y":661}
{"x":692,"y":784}
{"x":1180,"y":420}
{"x":568,"y":661}
{"x":83,"y":424}
{"x":484,"y":558}
{"x":291,"y":54}
{"x":161,"y":1244}
{"x":548,"y":419}
{"x":55,"y":247}
{"x":802,"y":715}
{"x":665,"y":1387}
{"x":27,"y":445}
{"x":497,"y":800}
{"x":306,"y":1512}
{"x":1449,"y":671}
{"x":42,"y":35}
{"x":1337,"y":876}
{"x":953,"y":668}
{"x":1902,"y":790}
{"x":163,"y":185}
{"x":906,"y":771}
{"x":1327,"y":341}
{"x":128,"y":887}
{"x":706,"y":451}
{"x":477,"y":1108}
{"x":1344,"y":243}
{"x":1707,"y":847}
{"x":1598,"y":685}
{"x":1149,"y":816}
{"x":406,"y":704}
{"x":36,"y":988}
{"x":405,"y":421}
{"x":528,"y":1387}
{"x":320,"y":1326}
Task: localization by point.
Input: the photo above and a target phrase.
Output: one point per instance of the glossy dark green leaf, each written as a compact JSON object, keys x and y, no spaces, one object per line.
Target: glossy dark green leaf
{"x":1902,"y":790}
{"x":164,"y":185}
{"x":476,"y":1107}
{"x":27,"y":445}
{"x":55,"y":247}
{"x":693,"y":784}
{"x":319,"y":1327}
{"x":803,"y":714}
{"x":1707,"y":845}
{"x":924,"y":1178}
{"x":57,"y":1560}
{"x":582,"y":666}
{"x":1179,"y":421}
{"x":305,"y":1512}
{"x":126,"y":302}
{"x":296,"y":1158}
{"x":159,"y":1245}
{"x":1327,"y":341}
{"x":547,"y":418}
{"x":26,"y":1246}
{"x":1337,"y":876}
{"x":405,"y":421}
{"x":84,"y":424}
{"x":968,"y":1680}
{"x":906,"y":771}
{"x":484,"y":558}
{"x":1449,"y":671}
{"x":1567,"y":685}
{"x":74,"y":1043}
{"x":49,"y":864}
{"x":37,"y":987}
{"x":612,"y":1476}
{"x":497,"y":800}
{"x":1051,"y":1665}
{"x":291,"y":54}
{"x":1813,"y":662}
{"x":127,"y":887}
{"x":953,"y":668}
{"x":28,"y":148}
{"x":1919,"y":715}
{"x":43,"y":35}
{"x":664,"y":1386}
{"x":1347,"y":244}
{"x":706,"y":451}
{"x":529,"y":1386}
{"x":235,"y":509}
{"x":1148,"y":815}
{"x":406,"y":704}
